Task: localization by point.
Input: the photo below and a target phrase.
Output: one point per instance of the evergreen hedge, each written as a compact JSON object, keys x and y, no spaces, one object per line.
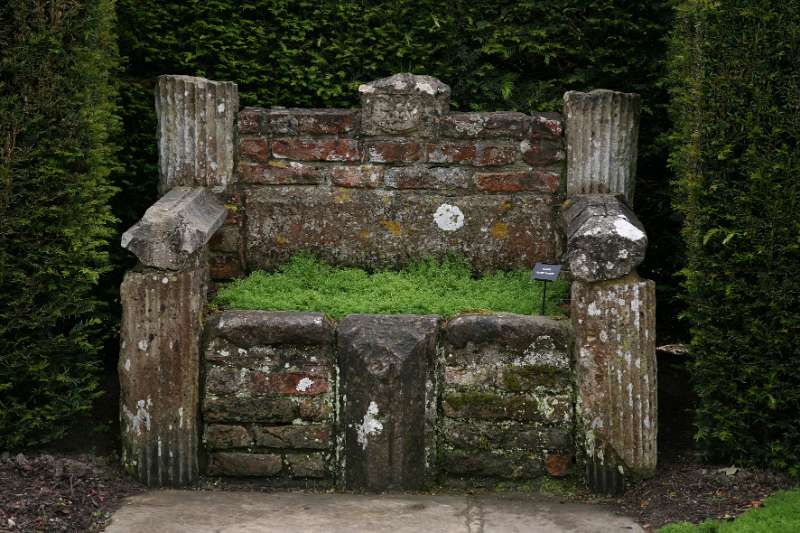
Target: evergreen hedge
{"x":737,"y":157}
{"x":56,"y":116}
{"x":515,"y":54}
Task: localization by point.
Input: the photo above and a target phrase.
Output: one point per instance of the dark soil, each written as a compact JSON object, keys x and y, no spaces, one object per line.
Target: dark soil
{"x":685,"y":489}
{"x":48,"y":493}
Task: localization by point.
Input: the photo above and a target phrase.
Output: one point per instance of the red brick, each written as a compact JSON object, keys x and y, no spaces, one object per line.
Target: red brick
{"x":518,"y":180}
{"x":290,"y":383}
{"x":489,"y":155}
{"x":558,"y":464}
{"x":551,"y":123}
{"x":362,"y":176}
{"x":223,"y":267}
{"x":393,"y":152}
{"x":311,"y":121}
{"x":252,"y":120}
{"x":450,"y":153}
{"x":316,"y":150}
{"x":254,"y":149}
{"x":280,"y":172}
{"x":539,"y":150}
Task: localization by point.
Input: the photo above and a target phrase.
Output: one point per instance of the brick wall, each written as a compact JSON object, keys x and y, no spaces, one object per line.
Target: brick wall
{"x":269,"y":397}
{"x":401,"y":178}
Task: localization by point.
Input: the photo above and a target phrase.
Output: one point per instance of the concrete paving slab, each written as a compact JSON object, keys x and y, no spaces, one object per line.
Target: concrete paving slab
{"x":174,"y":511}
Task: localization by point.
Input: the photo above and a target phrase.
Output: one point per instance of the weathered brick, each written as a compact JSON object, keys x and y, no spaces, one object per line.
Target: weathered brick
{"x":485,"y":125}
{"x":393,"y":152}
{"x":450,"y":153}
{"x":316,"y":150}
{"x":505,"y":465}
{"x":250,"y":329}
{"x":314,"y":436}
{"x":306,"y":465}
{"x":360,"y":176}
{"x":280,"y":172}
{"x":518,"y":180}
{"x":490,"y":406}
{"x":225,"y":240}
{"x":254,"y":149}
{"x":244,"y":464}
{"x":219,"y":436}
{"x":540,"y":150}
{"x":551,"y":123}
{"x":297,"y":121}
{"x":269,"y":410}
{"x":252,"y":120}
{"x":423,"y":177}
{"x":557,"y":464}
{"x":314,"y":409}
{"x":491,"y":155}
{"x":225,"y":266}
{"x":289,"y":383}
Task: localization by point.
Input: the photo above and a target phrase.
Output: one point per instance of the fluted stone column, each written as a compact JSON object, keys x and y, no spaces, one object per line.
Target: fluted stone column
{"x":196,"y":134}
{"x":159,"y":372}
{"x":616,"y":376}
{"x":602,"y":130}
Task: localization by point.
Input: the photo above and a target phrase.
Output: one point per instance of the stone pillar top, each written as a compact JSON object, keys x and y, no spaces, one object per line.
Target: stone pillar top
{"x":403,"y":104}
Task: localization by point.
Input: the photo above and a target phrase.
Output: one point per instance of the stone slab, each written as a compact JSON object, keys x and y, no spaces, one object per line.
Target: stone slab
{"x":254,"y":512}
{"x":175,"y":228}
{"x":384,"y":228}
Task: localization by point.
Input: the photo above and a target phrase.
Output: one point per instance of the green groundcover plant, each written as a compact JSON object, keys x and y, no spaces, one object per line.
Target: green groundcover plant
{"x":444,"y":288}
{"x":780,"y":514}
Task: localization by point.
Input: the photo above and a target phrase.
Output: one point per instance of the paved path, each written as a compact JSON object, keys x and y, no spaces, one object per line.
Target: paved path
{"x":253,"y":512}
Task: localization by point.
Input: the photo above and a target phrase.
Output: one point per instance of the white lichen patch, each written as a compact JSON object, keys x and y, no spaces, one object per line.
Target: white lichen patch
{"x":425,"y":87}
{"x":370,"y":425}
{"x":448,"y":217}
{"x":127,"y":364}
{"x":543,"y":351}
{"x":304,"y":384}
{"x":140,"y":419}
{"x":625,"y":229}
{"x":143,"y":345}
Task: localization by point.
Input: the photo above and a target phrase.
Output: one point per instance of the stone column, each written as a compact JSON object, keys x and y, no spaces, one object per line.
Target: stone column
{"x":159,"y":371}
{"x":163,"y":300}
{"x":602,"y":130}
{"x":616,"y":375}
{"x":196,"y":136}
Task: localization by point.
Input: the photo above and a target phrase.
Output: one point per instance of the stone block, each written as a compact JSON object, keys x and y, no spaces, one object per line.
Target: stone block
{"x":253,"y":120}
{"x":602,"y":129}
{"x":549,"y":409}
{"x":450,"y":153}
{"x":493,"y":125}
{"x":376,"y":229}
{"x":246,"y":329}
{"x":175,"y":228}
{"x":428,"y":177}
{"x":361,"y":176}
{"x":225,"y":267}
{"x":313,"y":436}
{"x":516,"y":465}
{"x":616,"y":373}
{"x":220,"y":437}
{"x":195,"y":132}
{"x":316,"y":149}
{"x":386,"y":369}
{"x":307,"y":465}
{"x":237,"y":464}
{"x":403,"y":104}
{"x":158,"y":372}
{"x":605,"y":240}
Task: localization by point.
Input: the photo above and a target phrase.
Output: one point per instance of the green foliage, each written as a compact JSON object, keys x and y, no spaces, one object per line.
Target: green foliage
{"x":737,"y":113}
{"x":56,"y":115}
{"x":512,"y":55}
{"x":779,"y":514}
{"x":427,"y":287}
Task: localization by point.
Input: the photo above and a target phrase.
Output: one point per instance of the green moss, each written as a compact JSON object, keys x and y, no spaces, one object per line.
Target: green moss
{"x":525,"y":378}
{"x":428,"y":287}
{"x":487,"y":406}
